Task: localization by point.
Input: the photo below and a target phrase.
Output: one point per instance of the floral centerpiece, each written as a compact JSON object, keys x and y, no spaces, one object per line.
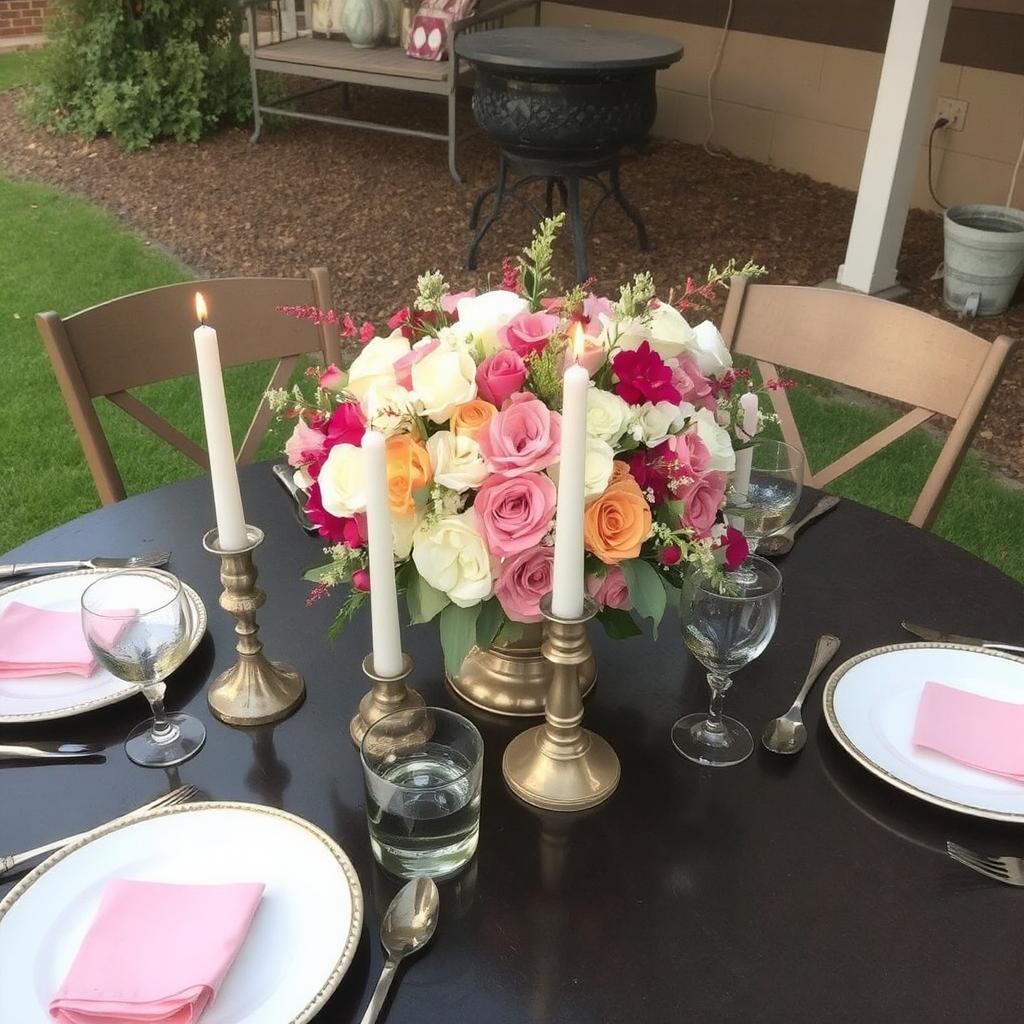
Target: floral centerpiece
{"x":466,"y":388}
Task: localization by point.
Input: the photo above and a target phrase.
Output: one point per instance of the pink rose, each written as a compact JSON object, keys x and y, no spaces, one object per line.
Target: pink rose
{"x":499,"y":376}
{"x":692,"y":385}
{"x":306,"y":445}
{"x":403,"y":366}
{"x":514,"y":512}
{"x":332,"y":379}
{"x":524,"y":437}
{"x":523,"y":580}
{"x":346,"y":425}
{"x":593,"y":307}
{"x":692,"y":455}
{"x":450,"y":301}
{"x":528,"y":333}
{"x":609,"y":590}
{"x":701,"y":500}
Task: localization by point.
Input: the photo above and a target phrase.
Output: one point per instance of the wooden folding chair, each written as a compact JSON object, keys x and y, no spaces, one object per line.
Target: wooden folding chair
{"x":875,"y":346}
{"x":147,"y":337}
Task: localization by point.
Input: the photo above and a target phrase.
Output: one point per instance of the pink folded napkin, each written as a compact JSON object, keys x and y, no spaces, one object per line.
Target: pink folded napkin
{"x":155,"y":952}
{"x":977,"y":731}
{"x":43,"y":642}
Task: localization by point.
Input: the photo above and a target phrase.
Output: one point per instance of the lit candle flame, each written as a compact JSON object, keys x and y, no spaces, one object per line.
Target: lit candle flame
{"x":579,"y":341}
{"x":200,"y":308}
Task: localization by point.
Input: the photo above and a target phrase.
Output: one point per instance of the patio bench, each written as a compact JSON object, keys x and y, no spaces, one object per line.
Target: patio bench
{"x":338,"y":62}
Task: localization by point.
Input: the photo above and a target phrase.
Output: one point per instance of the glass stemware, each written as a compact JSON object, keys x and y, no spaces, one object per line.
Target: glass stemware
{"x":138,"y":623}
{"x":725,"y":631}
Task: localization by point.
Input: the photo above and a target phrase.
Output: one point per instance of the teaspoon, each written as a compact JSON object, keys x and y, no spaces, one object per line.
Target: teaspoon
{"x":408,"y":926}
{"x":781,"y":543}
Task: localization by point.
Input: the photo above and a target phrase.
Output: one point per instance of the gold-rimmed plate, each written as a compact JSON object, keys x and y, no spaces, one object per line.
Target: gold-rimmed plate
{"x":870,"y":705}
{"x":41,"y":698}
{"x":301,"y":942}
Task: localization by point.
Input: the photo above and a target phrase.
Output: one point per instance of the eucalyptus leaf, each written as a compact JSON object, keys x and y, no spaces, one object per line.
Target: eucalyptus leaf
{"x":492,"y":615}
{"x":618,"y":623}
{"x":645,"y":590}
{"x":423,"y":600}
{"x":509,"y":633}
{"x":317,"y":573}
{"x":458,"y":634}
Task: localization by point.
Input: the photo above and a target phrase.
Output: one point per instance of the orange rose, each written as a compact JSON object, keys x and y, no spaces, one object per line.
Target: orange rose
{"x":471,"y":417}
{"x":616,"y":524}
{"x":620,"y":471}
{"x":408,"y":471}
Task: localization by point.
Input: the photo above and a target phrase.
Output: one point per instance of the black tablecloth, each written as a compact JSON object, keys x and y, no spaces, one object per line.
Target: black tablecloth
{"x":781,"y":889}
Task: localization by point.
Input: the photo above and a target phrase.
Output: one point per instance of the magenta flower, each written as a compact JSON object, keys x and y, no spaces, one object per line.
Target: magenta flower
{"x":338,"y":530}
{"x":499,"y":376}
{"x":643,"y":376}
{"x":736,"y":548}
{"x":346,"y":425}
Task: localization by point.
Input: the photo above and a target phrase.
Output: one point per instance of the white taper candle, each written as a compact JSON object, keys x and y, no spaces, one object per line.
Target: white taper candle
{"x":227,"y":500}
{"x":387,"y":638}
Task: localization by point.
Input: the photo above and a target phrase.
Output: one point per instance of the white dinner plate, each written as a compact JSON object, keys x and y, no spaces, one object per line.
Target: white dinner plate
{"x":301,"y":942}
{"x":37,"y":698}
{"x":871,"y":703}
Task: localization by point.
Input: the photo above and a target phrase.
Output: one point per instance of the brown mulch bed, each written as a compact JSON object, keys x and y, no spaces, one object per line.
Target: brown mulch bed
{"x":379,"y":209}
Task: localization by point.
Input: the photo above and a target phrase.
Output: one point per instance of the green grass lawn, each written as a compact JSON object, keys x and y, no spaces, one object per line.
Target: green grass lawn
{"x":16,"y":68}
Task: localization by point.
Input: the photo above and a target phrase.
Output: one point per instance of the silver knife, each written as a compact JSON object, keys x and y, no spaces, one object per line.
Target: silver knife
{"x":285,"y":474}
{"x":937,"y":636}
{"x":51,"y":752}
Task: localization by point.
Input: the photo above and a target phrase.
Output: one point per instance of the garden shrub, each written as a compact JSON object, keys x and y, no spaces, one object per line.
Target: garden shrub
{"x":143,"y":69}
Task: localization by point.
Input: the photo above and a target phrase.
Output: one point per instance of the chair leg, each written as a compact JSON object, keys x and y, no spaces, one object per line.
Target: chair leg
{"x":499,"y":199}
{"x":453,"y":168}
{"x":629,"y":209}
{"x":257,"y":119}
{"x":575,"y":216}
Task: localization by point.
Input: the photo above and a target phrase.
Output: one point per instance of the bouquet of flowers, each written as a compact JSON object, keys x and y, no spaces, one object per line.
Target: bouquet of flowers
{"x":466,"y":388}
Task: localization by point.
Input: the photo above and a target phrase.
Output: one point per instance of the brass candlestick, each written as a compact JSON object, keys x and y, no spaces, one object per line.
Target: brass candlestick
{"x":559,"y":765}
{"x":254,"y":690}
{"x":387,"y":695}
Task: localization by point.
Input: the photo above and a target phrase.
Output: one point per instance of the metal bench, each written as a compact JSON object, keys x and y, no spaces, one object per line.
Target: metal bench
{"x":340,"y":63}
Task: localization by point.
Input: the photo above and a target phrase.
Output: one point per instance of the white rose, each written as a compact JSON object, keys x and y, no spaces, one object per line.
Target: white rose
{"x":670,"y":334}
{"x":442,"y":381}
{"x":625,"y":334}
{"x":403,"y":529}
{"x":715,"y":438}
{"x":343,"y":481}
{"x":607,"y":415}
{"x":388,"y":409}
{"x":597,"y":469}
{"x":457,"y":461}
{"x":375,"y":364}
{"x":452,"y":557}
{"x":652,"y":423}
{"x":709,"y":350}
{"x":483,"y":315}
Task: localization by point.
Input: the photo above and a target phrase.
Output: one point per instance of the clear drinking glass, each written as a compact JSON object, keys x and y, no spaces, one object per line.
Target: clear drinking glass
{"x":138,"y":623}
{"x":423,"y":769}
{"x":724,"y":632}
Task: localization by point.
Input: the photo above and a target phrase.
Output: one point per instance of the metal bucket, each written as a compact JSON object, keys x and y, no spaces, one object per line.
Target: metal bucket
{"x":984,"y":259}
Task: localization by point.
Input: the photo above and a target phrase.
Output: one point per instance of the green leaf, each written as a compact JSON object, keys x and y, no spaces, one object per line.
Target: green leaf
{"x":645,"y":590}
{"x":509,"y":633}
{"x":423,"y":600}
{"x":458,"y":634}
{"x":618,"y":623}
{"x":353,"y":603}
{"x":316,"y":574}
{"x":492,"y":615}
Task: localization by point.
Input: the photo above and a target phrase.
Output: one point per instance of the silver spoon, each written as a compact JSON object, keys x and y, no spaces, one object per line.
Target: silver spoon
{"x":788,"y":734}
{"x":781,"y":543}
{"x":50,"y":752}
{"x":407,"y":927}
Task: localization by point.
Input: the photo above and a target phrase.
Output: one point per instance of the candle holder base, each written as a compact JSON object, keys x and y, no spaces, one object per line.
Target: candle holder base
{"x":255,"y":690}
{"x":560,"y":766}
{"x":387,"y":695}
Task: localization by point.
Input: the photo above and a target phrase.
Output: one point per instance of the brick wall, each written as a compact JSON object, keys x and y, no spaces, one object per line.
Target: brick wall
{"x":21,"y":17}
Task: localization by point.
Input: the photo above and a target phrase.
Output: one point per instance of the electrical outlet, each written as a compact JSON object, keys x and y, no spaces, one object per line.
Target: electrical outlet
{"x":954,"y":111}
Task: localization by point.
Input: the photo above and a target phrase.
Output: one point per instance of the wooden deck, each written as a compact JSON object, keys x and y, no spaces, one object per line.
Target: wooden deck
{"x":341,"y":56}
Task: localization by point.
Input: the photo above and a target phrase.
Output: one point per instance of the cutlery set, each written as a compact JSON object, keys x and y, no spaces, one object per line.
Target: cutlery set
{"x":150,"y":561}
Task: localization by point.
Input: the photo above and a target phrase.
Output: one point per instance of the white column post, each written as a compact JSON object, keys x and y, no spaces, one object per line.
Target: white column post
{"x":902,"y":112}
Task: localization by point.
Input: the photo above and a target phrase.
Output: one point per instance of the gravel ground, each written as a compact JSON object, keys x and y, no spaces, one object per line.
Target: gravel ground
{"x":379,"y":209}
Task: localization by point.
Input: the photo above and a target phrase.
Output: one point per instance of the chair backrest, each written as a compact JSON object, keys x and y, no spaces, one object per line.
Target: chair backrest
{"x":147,"y":337}
{"x":875,"y":346}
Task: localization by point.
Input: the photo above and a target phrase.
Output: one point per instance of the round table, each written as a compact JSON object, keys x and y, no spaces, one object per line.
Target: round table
{"x":781,"y":889}
{"x":561,"y":103}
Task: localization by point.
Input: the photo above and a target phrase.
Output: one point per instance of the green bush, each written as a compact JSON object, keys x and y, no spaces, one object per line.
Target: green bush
{"x":143,"y":69}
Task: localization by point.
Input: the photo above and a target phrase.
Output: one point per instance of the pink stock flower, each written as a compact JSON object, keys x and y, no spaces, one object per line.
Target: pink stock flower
{"x":306,"y":445}
{"x":499,"y":376}
{"x":523,"y":580}
{"x":509,"y":275}
{"x":692,"y":385}
{"x":524,"y":437}
{"x":346,"y":425}
{"x":403,"y":367}
{"x":736,"y":548}
{"x":332,"y":379}
{"x":528,"y":333}
{"x":514,"y":512}
{"x":609,"y":588}
{"x":643,"y":376}
{"x":450,"y":302}
{"x":701,"y":501}
{"x":336,"y":529}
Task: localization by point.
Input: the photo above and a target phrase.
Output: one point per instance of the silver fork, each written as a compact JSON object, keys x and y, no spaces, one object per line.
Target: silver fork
{"x":176,"y":796}
{"x":150,"y":561}
{"x":1009,"y":870}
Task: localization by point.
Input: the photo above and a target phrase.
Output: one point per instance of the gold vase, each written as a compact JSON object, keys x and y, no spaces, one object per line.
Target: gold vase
{"x":513,"y":679}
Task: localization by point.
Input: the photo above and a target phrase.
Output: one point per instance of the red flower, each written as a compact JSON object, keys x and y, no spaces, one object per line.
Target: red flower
{"x":361,"y":580}
{"x":643,"y":376}
{"x":736,"y":548}
{"x":670,"y":555}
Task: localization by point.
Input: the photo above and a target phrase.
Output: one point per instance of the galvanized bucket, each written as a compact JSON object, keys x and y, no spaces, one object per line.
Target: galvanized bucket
{"x":984,"y":258}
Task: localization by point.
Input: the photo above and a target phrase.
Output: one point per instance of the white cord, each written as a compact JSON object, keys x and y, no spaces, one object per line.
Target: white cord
{"x":1013,"y":178}
{"x":711,"y":81}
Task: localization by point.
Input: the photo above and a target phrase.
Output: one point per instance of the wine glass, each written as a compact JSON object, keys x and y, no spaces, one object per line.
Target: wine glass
{"x":726,"y":627}
{"x":138,"y":623}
